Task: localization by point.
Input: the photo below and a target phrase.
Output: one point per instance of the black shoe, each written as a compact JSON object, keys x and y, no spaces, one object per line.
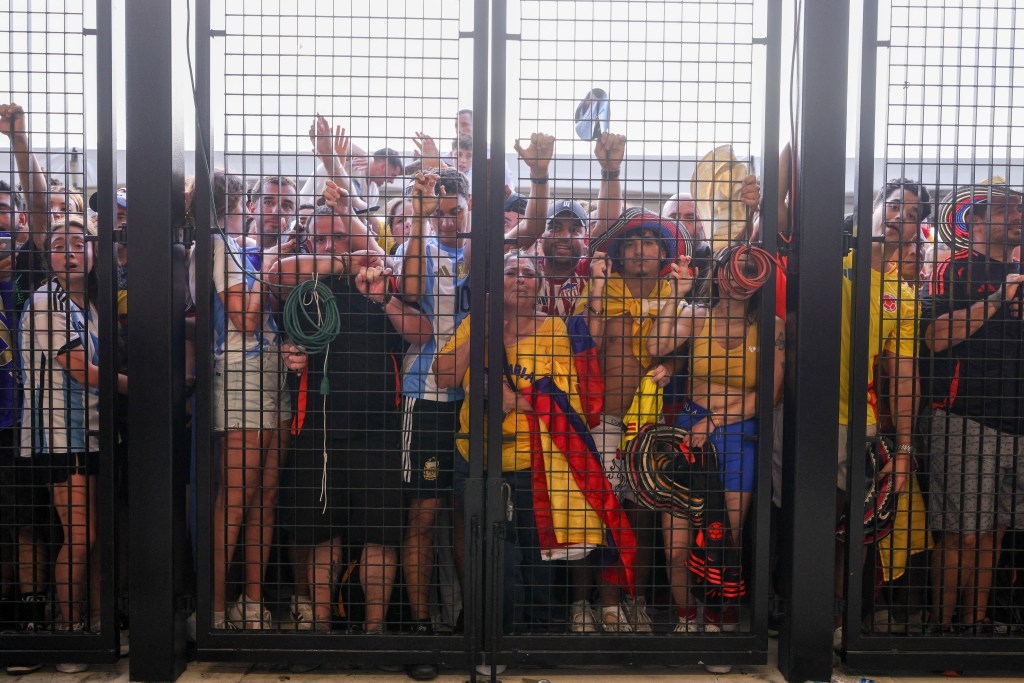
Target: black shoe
{"x":422,"y":627}
{"x":22,"y":669}
{"x":421,"y":672}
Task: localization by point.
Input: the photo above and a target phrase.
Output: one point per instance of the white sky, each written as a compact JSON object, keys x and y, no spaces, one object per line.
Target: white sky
{"x":683,"y":75}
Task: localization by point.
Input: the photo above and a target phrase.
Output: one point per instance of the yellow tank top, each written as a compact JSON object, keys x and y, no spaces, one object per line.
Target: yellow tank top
{"x":736,"y":367}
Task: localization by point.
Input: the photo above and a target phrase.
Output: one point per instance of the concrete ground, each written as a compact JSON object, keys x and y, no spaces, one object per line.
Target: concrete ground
{"x":243,"y":673}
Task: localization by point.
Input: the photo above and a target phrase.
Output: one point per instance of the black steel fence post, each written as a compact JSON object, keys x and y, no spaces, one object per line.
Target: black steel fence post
{"x":496,"y":509}
{"x":154,"y":42}
{"x":854,"y":568}
{"x":477,"y":593}
{"x":106,"y":181}
{"x":812,"y":378}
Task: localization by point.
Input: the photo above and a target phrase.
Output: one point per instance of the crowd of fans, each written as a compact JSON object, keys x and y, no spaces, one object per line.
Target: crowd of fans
{"x":342,"y":394}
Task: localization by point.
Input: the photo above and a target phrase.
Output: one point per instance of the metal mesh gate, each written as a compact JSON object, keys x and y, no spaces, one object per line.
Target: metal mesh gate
{"x":63,"y":467}
{"x":938,"y":569}
{"x":342,"y":474}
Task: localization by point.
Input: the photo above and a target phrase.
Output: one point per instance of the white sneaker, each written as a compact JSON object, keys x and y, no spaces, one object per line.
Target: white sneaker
{"x":636,"y":609}
{"x":301,"y":614}
{"x":485,"y":669}
{"x":614,"y":620}
{"x":72,"y":668}
{"x":688,"y":626}
{"x":584,"y":619}
{"x":248,"y":615}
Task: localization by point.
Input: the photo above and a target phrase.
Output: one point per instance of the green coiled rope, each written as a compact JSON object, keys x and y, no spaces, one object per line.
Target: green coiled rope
{"x":312,"y":330}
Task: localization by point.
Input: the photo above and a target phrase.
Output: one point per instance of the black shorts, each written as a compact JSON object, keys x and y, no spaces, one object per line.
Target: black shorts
{"x":428,"y":446}
{"x":60,"y":466}
{"x":362,"y":491}
{"x":24,"y":496}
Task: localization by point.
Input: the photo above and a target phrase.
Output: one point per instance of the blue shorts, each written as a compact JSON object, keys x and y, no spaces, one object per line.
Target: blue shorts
{"x":736,"y":444}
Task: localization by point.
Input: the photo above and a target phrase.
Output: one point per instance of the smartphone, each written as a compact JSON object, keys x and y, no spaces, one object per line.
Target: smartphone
{"x":5,"y":244}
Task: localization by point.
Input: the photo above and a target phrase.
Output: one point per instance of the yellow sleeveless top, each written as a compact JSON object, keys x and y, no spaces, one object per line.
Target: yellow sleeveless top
{"x":736,"y":367}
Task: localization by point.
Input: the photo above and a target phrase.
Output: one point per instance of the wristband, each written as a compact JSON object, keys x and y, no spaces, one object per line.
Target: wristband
{"x":905,"y":448}
{"x":590,"y":307}
{"x":539,"y":181}
{"x":610,"y":175}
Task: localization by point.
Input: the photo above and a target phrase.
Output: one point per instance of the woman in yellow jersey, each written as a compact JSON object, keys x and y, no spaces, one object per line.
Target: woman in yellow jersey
{"x":724,"y":340}
{"x":535,"y":454}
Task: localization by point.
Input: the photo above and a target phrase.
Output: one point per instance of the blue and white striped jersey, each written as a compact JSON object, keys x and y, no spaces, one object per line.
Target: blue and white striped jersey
{"x":59,"y":412}
{"x":445,"y":302}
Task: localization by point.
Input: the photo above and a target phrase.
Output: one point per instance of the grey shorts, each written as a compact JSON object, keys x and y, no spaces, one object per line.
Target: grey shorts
{"x":844,"y":453}
{"x":976,"y":476}
{"x":246,"y":395}
{"x":607,"y":435}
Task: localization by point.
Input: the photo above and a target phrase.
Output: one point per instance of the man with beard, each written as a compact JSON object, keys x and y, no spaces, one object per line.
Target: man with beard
{"x":272,"y":202}
{"x":971,"y":313}
{"x":568,"y":228}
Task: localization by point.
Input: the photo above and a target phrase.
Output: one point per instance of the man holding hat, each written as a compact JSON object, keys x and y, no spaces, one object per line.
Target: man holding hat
{"x":971,"y":320}
{"x":620,"y":306}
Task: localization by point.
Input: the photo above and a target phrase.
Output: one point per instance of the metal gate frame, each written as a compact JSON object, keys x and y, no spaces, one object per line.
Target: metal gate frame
{"x":154,"y":162}
{"x":443,"y":650}
{"x":922,"y":652}
{"x":101,"y":647}
{"x":660,"y":649}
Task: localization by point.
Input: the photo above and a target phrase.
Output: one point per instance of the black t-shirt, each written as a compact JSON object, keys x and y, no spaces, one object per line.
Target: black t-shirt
{"x":362,"y":370}
{"x":982,"y":377}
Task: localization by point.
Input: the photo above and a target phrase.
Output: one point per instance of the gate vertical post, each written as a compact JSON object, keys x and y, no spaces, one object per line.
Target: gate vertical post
{"x":154,"y":42}
{"x":479,"y":594}
{"x":812,"y":378}
{"x":106,"y":184}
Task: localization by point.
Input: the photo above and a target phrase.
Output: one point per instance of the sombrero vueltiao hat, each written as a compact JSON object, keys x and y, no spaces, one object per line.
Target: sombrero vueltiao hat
{"x":954,"y":219}
{"x":666,"y":474}
{"x":715,"y":187}
{"x":635,"y":219}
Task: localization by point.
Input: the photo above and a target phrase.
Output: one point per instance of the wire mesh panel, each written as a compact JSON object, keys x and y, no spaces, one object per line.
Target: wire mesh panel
{"x":942,"y":476}
{"x":635,"y":316}
{"x":340,"y":254}
{"x":57,"y":453}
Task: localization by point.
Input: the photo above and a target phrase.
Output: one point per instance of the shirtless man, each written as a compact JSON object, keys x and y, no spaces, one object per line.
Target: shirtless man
{"x":620,"y":304}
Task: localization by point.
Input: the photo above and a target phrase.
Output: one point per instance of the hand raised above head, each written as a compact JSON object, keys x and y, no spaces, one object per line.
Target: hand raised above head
{"x":337,"y":198}
{"x":609,"y":150}
{"x":12,"y":119}
{"x":538,"y":155}
{"x":320,"y":136}
{"x":750,"y":192}
{"x":427,"y":150}
{"x":424,"y":194}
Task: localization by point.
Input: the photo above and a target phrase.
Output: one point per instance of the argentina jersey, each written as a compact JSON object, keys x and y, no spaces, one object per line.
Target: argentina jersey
{"x":445,"y":302}
{"x":229,"y":270}
{"x":59,"y":412}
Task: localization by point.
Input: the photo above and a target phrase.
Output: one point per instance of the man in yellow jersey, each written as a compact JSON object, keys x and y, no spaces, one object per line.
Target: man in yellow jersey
{"x":899,"y":207}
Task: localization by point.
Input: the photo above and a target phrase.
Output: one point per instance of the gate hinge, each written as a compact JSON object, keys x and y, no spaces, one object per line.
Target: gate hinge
{"x":185,"y":603}
{"x":184,"y":234}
